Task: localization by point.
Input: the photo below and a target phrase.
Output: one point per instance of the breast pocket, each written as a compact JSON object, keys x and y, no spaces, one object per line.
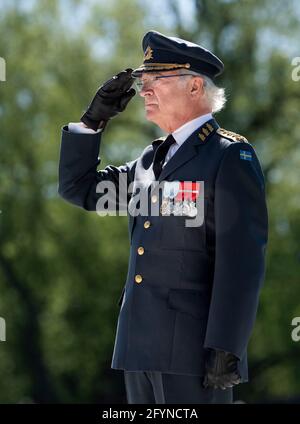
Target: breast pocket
{"x":177,"y":235}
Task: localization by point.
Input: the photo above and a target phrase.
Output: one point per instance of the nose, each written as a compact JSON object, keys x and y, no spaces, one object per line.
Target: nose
{"x":145,"y":91}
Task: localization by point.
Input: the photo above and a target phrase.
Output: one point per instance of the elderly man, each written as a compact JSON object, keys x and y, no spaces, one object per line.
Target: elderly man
{"x":190,"y":300}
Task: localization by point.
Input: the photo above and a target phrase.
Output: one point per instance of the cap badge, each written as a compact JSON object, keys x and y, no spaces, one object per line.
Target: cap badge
{"x":148,"y":53}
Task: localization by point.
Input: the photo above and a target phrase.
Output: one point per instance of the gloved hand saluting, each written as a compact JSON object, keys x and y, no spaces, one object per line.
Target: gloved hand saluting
{"x":111,"y":98}
{"x":221,"y":370}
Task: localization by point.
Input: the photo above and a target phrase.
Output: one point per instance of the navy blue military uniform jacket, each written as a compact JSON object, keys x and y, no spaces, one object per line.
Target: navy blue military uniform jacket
{"x":188,"y":288}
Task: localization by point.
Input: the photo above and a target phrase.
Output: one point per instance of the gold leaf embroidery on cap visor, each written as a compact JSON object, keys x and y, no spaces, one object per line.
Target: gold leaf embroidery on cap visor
{"x":163,"y":66}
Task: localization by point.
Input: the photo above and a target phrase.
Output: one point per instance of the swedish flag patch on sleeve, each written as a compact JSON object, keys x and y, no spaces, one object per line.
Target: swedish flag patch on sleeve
{"x":245,"y":155}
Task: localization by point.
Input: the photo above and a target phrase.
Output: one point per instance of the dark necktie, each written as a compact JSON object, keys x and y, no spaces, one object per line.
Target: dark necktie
{"x":160,"y":155}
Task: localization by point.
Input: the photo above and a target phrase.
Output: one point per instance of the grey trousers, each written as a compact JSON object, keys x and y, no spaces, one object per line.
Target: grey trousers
{"x":157,"y":387}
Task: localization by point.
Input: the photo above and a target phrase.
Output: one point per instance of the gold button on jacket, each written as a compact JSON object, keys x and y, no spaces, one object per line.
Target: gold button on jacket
{"x":141,"y":250}
{"x":138,"y":278}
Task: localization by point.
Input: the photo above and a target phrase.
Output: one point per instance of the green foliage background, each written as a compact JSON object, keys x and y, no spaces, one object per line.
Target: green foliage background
{"x":61,"y":268}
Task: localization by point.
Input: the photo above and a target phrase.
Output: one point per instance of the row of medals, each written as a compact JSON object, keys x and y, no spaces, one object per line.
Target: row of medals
{"x":178,"y":208}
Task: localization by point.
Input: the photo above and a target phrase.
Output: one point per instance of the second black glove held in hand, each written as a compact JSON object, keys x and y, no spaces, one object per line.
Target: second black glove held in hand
{"x":221,"y":370}
{"x":111,"y":98}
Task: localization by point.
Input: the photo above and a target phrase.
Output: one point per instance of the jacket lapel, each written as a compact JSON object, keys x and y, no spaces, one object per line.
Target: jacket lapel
{"x":189,"y":148}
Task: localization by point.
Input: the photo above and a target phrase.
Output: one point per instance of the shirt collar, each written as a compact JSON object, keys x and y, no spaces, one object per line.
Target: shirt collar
{"x":183,"y":132}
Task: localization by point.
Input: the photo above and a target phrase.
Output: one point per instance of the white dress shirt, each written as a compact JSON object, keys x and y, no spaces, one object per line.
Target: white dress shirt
{"x":77,"y":127}
{"x":182,"y":133}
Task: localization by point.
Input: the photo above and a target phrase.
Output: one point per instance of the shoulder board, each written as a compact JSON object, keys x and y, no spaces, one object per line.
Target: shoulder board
{"x":232,"y":136}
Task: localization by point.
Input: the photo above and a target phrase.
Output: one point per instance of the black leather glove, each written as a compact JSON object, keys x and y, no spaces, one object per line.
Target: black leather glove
{"x":221,"y":370}
{"x":111,"y":98}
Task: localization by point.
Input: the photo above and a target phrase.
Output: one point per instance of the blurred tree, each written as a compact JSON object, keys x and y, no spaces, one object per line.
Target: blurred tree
{"x":59,"y":286}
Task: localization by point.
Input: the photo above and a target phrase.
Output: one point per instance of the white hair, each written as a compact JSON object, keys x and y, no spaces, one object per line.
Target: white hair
{"x":215,"y":96}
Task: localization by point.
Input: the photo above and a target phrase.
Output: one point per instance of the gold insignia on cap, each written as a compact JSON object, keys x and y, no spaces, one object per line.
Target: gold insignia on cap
{"x":148,"y":53}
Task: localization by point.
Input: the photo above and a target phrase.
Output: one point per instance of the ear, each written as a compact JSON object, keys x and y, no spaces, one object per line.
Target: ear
{"x":197,"y":86}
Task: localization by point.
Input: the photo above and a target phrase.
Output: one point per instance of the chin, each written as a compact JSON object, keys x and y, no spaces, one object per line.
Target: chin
{"x":150,"y":115}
